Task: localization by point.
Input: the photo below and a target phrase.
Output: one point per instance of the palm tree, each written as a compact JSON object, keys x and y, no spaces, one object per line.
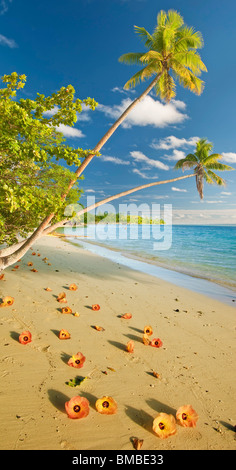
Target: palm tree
{"x":204,"y":164}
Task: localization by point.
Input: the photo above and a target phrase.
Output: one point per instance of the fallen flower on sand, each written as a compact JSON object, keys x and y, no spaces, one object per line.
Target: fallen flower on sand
{"x":95,"y":307}
{"x":61,"y":297}
{"x":66,"y":310}
{"x":155,"y":374}
{"x":77,"y":407}
{"x":164,"y":425}
{"x":7,"y":301}
{"x":106,"y":405}
{"x":29,"y":263}
{"x":146,"y":340}
{"x":25,"y":337}
{"x":148,"y":330}
{"x":34,"y":270}
{"x":137,"y":443}
{"x":48,"y":289}
{"x":64,"y":334}
{"x":33,"y":254}
{"x":73,"y":287}
{"x":2,"y":277}
{"x":156,"y":343}
{"x":77,"y":360}
{"x":130,"y":346}
{"x":127,"y":316}
{"x":98,"y":328}
{"x":187,"y":416}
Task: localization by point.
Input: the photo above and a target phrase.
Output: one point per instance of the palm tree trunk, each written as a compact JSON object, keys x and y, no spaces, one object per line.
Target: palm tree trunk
{"x":9,"y":259}
{"x":112,"y":198}
{"x":109,"y":133}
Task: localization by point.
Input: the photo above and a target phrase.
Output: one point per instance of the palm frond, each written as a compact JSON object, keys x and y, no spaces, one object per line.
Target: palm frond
{"x":186,"y":78}
{"x":219,"y":166}
{"x":220,"y":181}
{"x":188,"y":38}
{"x":144,"y":35}
{"x":185,"y":163}
{"x":213,"y":158}
{"x":151,"y":55}
{"x":174,"y":20}
{"x":131,"y":58}
{"x":192,"y":60}
{"x":141,"y":75}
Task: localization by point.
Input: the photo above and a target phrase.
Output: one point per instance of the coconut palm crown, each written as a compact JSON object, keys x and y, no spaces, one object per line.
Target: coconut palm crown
{"x":172,"y":54}
{"x":204,"y":163}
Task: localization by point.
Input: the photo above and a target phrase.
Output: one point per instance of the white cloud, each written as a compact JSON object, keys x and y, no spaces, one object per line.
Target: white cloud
{"x":140,"y":157}
{"x":225,"y":193}
{"x":176,"y":155}
{"x":4,"y":41}
{"x":68,"y":131}
{"x":229,"y":157}
{"x":148,"y":112}
{"x":4,"y":6}
{"x":179,"y":190}
{"x":116,"y":160}
{"x":172,"y":142}
{"x":143,"y":175}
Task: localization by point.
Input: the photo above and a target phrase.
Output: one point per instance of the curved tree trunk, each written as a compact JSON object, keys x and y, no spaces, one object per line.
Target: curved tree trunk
{"x":10,"y":259}
{"x":38,"y":232}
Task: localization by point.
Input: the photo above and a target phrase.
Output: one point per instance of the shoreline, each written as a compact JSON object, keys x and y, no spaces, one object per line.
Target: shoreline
{"x":205,"y":286}
{"x":195,"y":363}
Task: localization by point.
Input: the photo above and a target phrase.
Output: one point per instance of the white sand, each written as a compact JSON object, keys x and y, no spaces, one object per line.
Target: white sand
{"x":196,"y":362}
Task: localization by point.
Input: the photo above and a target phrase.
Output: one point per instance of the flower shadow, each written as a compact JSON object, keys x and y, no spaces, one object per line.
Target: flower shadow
{"x":117,"y":344}
{"x":160,"y":407}
{"x":14,"y":335}
{"x":140,"y":417}
{"x":58,"y":399}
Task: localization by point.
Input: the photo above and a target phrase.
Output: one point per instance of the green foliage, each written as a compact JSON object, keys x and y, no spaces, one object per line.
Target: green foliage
{"x":34,"y":157}
{"x":172,"y":54}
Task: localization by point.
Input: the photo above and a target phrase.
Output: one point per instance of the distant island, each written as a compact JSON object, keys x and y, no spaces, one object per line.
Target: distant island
{"x":114,"y":218}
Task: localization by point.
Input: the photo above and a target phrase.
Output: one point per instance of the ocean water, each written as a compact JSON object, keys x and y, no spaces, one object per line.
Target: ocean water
{"x":203,"y":252}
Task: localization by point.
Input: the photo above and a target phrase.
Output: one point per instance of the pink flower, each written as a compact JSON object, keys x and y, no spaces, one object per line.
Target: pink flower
{"x":77,"y":360}
{"x":77,"y":407}
{"x":187,"y":416}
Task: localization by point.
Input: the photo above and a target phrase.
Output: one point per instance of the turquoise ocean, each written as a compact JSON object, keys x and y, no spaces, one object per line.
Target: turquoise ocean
{"x":202,"y":258}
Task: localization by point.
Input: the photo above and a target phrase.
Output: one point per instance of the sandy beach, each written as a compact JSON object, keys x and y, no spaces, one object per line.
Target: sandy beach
{"x":196,"y":364}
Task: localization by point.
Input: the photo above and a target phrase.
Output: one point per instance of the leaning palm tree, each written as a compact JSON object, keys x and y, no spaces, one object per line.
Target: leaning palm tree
{"x":204,"y":163}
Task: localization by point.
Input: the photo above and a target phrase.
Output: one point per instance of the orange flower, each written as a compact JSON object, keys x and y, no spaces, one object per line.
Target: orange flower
{"x":164,"y":425}
{"x":77,"y":407}
{"x":146,"y":340}
{"x":64,"y":334}
{"x":25,"y":337}
{"x":48,"y":289}
{"x":2,"y":277}
{"x":127,"y":316}
{"x":29,"y":263}
{"x":77,"y":360}
{"x":61,"y":297}
{"x":187,"y":416}
{"x":156,"y":343}
{"x":33,"y":254}
{"x":17,"y":266}
{"x":95,"y":307}
{"x":106,"y":405}
{"x":66,"y":310}
{"x":130,"y":346}
{"x":7,"y":301}
{"x":73,"y":287}
{"x":148,"y":330}
{"x":99,"y":328}
{"x":34,"y":270}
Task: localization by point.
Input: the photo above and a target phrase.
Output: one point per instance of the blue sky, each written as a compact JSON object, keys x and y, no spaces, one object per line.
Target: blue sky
{"x":78,"y":42}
